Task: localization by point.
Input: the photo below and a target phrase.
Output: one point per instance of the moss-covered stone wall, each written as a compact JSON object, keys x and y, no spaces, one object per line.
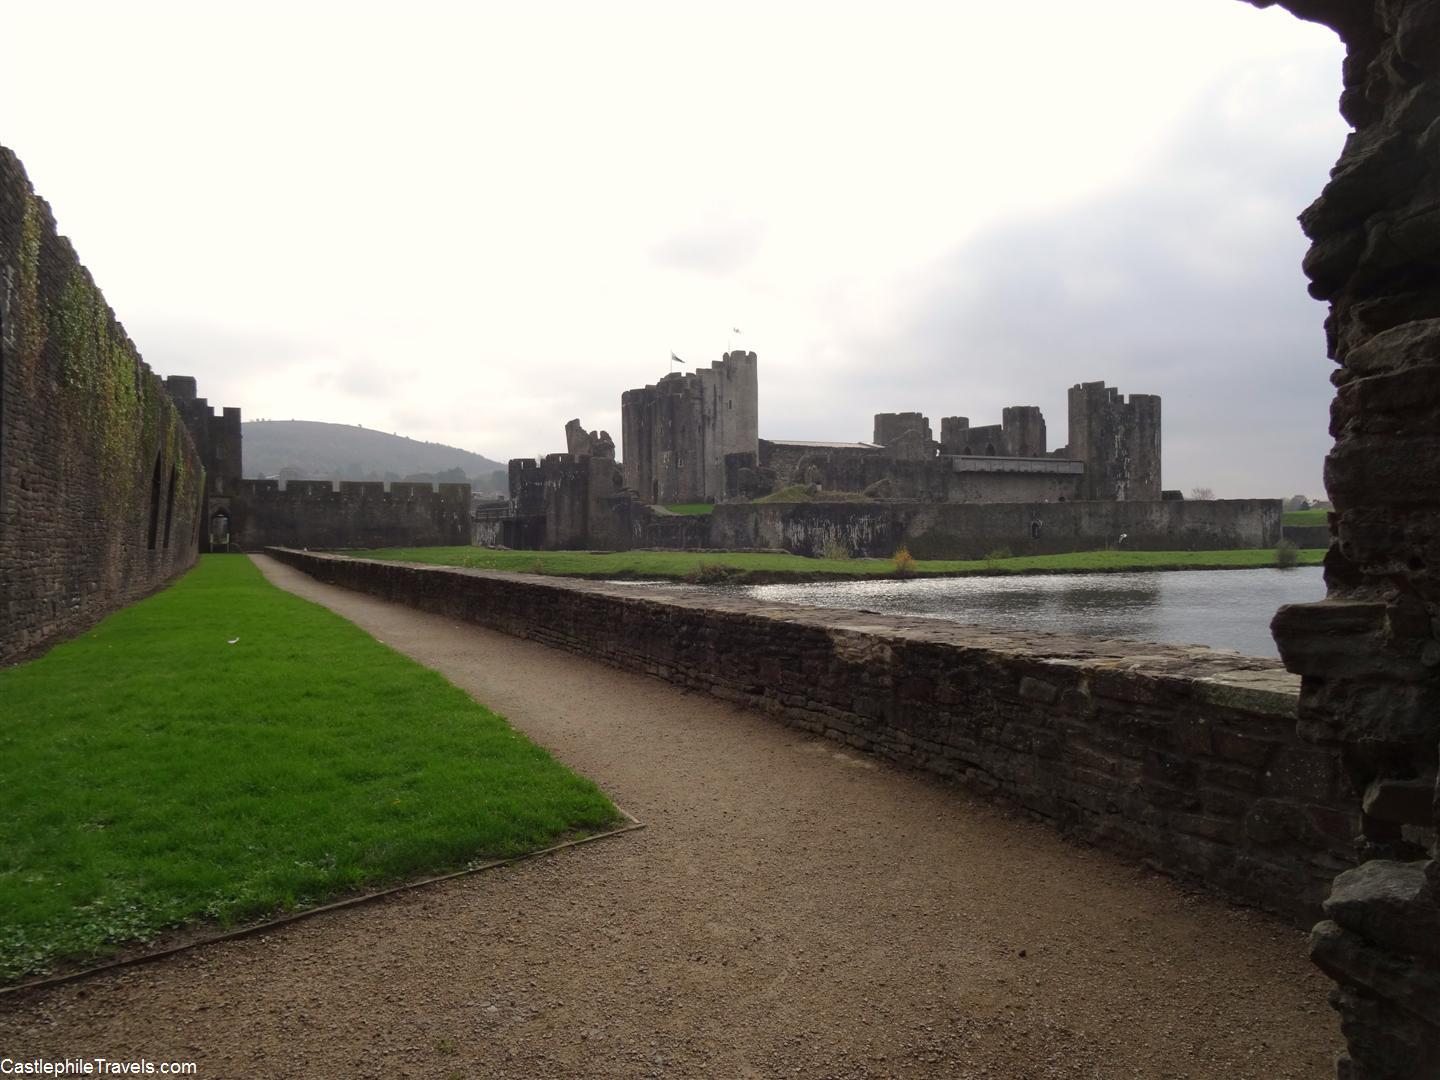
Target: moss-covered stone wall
{"x":99,"y":481}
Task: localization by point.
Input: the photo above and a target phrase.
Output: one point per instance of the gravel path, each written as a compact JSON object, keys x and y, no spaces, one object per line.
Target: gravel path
{"x":791,"y":909}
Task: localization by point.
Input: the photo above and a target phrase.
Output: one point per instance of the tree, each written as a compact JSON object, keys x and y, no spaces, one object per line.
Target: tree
{"x":1297,"y":502}
{"x":1202,"y":493}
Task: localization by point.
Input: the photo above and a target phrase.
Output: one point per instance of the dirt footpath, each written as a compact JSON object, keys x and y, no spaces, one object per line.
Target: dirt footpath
{"x":791,"y":910}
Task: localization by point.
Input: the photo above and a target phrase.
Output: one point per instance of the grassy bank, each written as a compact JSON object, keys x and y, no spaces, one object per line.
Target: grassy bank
{"x":1306,"y":517}
{"x":679,"y":565}
{"x":801,"y":493}
{"x":158,"y":771}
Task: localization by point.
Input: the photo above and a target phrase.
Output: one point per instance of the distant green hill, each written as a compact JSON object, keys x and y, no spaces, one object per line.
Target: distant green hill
{"x":311,"y":450}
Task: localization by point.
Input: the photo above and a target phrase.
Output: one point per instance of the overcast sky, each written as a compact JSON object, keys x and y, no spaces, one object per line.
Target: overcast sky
{"x":468,"y":223}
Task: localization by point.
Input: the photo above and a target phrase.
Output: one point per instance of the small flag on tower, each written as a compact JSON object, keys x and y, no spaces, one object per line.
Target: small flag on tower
{"x":675,"y":359}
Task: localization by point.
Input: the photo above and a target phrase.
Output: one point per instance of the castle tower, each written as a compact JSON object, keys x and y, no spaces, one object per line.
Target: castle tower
{"x":217,"y":440}
{"x":675,"y":434}
{"x":1020,"y":433}
{"x":907,"y":432}
{"x":1024,"y":428}
{"x":1118,"y":440}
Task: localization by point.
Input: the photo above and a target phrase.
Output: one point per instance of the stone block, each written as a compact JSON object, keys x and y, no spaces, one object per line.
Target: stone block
{"x":1408,"y":802}
{"x":1038,"y":690}
{"x":1396,"y":977}
{"x":1390,"y":904}
{"x":1303,"y":773}
{"x":1244,"y":750}
{"x":1273,"y":822}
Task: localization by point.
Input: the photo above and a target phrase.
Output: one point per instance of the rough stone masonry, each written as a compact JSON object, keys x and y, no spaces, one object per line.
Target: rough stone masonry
{"x":100,"y":484}
{"x":1369,"y":654}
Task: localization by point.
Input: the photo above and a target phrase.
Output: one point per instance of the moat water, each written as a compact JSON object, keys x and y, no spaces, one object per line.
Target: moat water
{"x":1225,"y":609}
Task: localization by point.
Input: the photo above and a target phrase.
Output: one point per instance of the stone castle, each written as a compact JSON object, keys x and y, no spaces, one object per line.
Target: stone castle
{"x":690,"y":438}
{"x":694,"y":438}
{"x":1113,"y":454}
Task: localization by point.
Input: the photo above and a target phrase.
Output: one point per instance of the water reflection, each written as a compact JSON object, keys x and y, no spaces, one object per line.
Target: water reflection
{"x":1227,"y":609}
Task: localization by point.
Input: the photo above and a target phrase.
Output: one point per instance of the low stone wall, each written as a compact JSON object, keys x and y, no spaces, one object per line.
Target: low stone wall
{"x":1185,"y":758}
{"x":971,"y":530}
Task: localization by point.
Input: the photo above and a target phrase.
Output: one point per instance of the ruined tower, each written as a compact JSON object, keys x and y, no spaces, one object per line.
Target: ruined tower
{"x":217,"y":440}
{"x":676,"y":433}
{"x":1024,"y":428}
{"x":1021,"y":433}
{"x":1117,"y":439}
{"x":906,"y":435}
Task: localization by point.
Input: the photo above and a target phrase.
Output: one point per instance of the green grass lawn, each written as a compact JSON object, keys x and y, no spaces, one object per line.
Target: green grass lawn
{"x":680,"y":564}
{"x":691,"y":509}
{"x":1306,"y":517}
{"x":801,"y":493}
{"x":152,"y":774}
